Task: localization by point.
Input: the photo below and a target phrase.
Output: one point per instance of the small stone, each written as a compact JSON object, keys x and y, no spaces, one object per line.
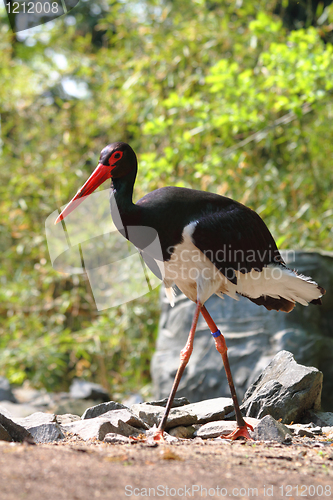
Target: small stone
{"x":221,"y":428}
{"x":46,"y":433}
{"x":113,"y":438}
{"x":216,"y":429}
{"x":182,"y":432}
{"x":301,"y":432}
{"x":268,"y":429}
{"x":67,"y":418}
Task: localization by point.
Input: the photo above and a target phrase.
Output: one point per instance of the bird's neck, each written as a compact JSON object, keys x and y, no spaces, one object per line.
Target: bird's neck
{"x":122,"y":204}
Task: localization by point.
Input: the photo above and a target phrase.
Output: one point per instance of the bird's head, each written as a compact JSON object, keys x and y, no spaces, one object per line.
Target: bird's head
{"x":116,"y":160}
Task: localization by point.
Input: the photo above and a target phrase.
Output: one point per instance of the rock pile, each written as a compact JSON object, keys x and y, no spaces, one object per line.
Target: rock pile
{"x":284,"y":391}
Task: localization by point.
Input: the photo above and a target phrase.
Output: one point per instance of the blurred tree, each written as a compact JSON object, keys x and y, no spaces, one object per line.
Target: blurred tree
{"x":220,"y":95}
{"x":297,"y":14}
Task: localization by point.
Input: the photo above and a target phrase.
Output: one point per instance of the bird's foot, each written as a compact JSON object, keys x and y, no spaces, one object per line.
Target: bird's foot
{"x":158,"y":437}
{"x":240,"y":431}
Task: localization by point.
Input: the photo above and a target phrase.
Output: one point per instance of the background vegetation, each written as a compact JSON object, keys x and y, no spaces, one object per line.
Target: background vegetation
{"x":229,"y":96}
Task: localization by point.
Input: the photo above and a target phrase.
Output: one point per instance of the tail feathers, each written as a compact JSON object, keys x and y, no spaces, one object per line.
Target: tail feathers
{"x":270,"y":303}
{"x":279,"y":288}
{"x":316,"y":302}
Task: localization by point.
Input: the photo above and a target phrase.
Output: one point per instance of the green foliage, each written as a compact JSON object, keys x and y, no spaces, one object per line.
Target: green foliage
{"x":220,"y":97}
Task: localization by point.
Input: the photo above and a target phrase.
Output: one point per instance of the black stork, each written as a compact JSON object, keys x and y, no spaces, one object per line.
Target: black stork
{"x":210,"y":244}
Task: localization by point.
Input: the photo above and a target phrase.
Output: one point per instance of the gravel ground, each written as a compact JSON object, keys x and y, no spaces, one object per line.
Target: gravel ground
{"x":75,"y":469}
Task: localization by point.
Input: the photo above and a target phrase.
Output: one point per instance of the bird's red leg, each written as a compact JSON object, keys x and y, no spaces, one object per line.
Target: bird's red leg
{"x":185,"y":355}
{"x":221,"y":346}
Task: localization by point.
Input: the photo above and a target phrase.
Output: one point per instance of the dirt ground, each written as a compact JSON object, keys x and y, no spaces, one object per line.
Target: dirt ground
{"x":77,"y":470}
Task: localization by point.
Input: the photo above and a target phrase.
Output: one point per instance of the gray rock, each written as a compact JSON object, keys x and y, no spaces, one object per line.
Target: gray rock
{"x":125,"y":415}
{"x":285,"y":390}
{"x":17,"y":432}
{"x":5,"y":391}
{"x":97,"y":410}
{"x":253,"y":335}
{"x":309,"y":430}
{"x":268,"y":429}
{"x":46,"y":433}
{"x":4,"y":435}
{"x":98,"y":427}
{"x":94,"y":428}
{"x":122,"y":422}
{"x":321,"y":418}
{"x":216,"y":429}
{"x":42,"y":427}
{"x":116,"y":439}
{"x":128,"y":430}
{"x":221,"y":428}
{"x":37,"y":418}
{"x":81,"y":389}
{"x":196,"y":413}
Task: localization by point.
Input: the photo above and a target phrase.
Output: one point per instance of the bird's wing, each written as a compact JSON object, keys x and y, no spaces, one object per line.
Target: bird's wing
{"x":236,"y":239}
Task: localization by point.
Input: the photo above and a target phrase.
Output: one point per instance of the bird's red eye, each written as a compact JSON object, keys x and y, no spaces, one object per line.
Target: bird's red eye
{"x":115,"y":157}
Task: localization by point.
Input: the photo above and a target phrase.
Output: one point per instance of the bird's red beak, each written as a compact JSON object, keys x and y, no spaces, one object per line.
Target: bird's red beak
{"x":99,"y":175}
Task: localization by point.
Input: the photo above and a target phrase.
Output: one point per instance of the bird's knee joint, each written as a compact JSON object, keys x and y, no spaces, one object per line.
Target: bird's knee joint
{"x":185,"y":354}
{"x":220,"y":344}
